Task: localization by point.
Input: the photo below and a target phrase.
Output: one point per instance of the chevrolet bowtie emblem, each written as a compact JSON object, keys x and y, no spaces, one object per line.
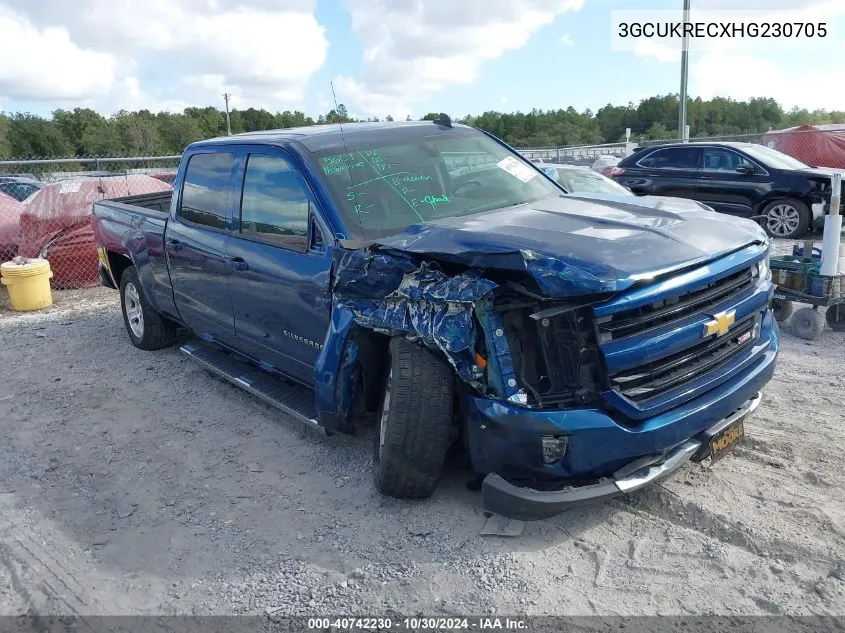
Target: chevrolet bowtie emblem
{"x":720,"y":324}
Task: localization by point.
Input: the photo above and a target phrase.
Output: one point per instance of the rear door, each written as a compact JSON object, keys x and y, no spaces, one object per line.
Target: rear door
{"x":728,"y":190}
{"x":670,"y":171}
{"x":195,"y":242}
{"x":281,"y":265}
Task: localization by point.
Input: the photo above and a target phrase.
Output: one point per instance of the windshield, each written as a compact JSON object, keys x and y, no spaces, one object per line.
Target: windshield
{"x":772,"y":158}
{"x":381,"y":189}
{"x":578,"y":181}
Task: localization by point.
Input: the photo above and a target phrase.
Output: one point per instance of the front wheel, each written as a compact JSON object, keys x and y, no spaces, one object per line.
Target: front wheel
{"x":147,"y":329}
{"x":787,"y":218}
{"x":782,"y":309}
{"x":415,"y":427}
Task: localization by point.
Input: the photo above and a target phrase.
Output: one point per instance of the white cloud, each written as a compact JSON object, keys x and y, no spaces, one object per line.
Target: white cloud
{"x":752,"y":76}
{"x":262,"y":50}
{"x":417,"y":47}
{"x":566,"y":40}
{"x":43,"y":63}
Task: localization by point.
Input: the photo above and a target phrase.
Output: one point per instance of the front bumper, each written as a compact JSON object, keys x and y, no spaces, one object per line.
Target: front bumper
{"x":504,"y":440}
{"x":528,"y":504}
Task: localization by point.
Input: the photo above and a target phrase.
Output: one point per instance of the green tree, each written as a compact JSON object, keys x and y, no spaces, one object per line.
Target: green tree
{"x":177,"y":131}
{"x":139,"y":132}
{"x":89,"y":133}
{"x":34,"y":137}
{"x":5,"y":137}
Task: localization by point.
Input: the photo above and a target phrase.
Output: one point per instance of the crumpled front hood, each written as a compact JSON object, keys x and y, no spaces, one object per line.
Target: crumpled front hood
{"x":574,"y":246}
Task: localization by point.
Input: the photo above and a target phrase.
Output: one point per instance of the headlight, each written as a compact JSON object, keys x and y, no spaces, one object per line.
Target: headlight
{"x":763,"y":269}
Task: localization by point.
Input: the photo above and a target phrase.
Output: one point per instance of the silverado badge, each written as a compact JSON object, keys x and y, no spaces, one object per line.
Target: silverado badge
{"x":720,"y":324}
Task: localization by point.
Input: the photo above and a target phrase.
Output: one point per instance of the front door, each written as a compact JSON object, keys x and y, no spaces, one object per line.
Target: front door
{"x":196,"y":240}
{"x":728,"y":190}
{"x":279,"y":284}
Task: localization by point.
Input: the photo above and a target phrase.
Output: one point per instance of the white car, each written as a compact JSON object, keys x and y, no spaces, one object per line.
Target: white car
{"x":605,"y":162}
{"x":583,"y":182}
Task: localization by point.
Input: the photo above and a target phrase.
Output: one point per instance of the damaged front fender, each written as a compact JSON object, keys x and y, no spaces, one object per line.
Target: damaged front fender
{"x":394,"y":294}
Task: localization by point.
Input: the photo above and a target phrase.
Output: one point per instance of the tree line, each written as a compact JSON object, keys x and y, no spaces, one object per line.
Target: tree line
{"x":84,"y":132}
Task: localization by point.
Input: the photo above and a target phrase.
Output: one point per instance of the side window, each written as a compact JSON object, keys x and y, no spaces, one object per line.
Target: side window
{"x":275,"y":202}
{"x":672,"y":158}
{"x":718,"y":159}
{"x":206,"y":189}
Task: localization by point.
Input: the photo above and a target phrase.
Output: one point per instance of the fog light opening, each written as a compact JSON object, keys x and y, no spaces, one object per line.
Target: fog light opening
{"x":554,"y":447}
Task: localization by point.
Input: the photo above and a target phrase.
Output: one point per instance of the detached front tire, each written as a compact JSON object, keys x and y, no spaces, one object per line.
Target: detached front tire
{"x":416,"y":426}
{"x":147,"y":329}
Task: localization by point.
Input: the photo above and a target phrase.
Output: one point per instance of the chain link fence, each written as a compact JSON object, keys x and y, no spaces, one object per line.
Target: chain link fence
{"x":45,"y":204}
{"x":45,"y":207}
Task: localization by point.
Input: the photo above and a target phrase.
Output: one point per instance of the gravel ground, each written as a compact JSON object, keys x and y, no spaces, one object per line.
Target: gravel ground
{"x":135,"y":483}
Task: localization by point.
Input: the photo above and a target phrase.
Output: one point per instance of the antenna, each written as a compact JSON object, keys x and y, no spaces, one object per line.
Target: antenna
{"x":340,"y":123}
{"x":345,"y":148}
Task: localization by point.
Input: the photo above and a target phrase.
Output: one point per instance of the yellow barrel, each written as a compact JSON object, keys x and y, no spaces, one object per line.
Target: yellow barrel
{"x":28,"y":282}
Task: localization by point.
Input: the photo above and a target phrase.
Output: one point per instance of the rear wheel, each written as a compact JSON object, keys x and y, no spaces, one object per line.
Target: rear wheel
{"x":147,"y":329}
{"x":787,"y":218}
{"x":416,"y":426}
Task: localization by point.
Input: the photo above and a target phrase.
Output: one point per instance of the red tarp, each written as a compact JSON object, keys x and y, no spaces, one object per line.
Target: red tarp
{"x":56,"y":221}
{"x":819,"y":145}
{"x":10,"y":227}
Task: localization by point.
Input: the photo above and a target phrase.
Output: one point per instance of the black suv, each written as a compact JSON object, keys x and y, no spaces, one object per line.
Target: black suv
{"x":744,"y":179}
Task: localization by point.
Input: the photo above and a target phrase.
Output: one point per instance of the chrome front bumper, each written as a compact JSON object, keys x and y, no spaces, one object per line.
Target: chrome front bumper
{"x":528,"y":504}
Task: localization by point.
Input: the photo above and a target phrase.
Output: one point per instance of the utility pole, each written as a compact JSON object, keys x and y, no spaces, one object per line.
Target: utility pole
{"x":226,"y":96}
{"x":682,"y":119}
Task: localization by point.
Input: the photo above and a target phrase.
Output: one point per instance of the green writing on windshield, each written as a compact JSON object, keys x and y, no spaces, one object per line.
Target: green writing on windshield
{"x":340,"y":169}
{"x":433,"y":201}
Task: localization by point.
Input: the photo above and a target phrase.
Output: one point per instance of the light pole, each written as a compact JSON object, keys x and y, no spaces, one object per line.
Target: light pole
{"x":682,"y":119}
{"x":226,"y":96}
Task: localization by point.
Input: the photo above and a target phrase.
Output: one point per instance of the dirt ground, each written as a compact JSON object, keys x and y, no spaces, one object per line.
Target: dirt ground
{"x":135,"y":483}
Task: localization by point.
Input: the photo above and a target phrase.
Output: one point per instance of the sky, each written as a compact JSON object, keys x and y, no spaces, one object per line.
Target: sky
{"x":393,"y":57}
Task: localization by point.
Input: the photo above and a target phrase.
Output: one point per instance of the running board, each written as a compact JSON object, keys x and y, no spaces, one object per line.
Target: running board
{"x":274,"y":391}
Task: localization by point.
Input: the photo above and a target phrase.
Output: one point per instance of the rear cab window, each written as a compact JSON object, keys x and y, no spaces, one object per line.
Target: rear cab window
{"x":205,"y":191}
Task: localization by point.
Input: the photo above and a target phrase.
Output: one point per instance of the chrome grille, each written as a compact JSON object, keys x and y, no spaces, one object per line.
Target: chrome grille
{"x":636,"y":320}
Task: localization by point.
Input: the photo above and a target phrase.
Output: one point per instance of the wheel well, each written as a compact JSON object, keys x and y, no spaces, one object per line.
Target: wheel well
{"x":373,"y":357}
{"x":118,"y":263}
{"x":782,"y":196}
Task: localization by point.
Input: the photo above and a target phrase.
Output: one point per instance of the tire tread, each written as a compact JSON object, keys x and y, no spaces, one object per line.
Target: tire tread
{"x":420,"y":426}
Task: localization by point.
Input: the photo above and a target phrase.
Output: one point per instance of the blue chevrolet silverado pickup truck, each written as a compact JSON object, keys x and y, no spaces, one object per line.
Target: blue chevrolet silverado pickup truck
{"x":425,"y":277}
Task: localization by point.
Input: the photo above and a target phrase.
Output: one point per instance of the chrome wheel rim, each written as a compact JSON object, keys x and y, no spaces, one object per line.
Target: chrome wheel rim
{"x":385,"y":411}
{"x":134,"y":313}
{"x":783,"y":220}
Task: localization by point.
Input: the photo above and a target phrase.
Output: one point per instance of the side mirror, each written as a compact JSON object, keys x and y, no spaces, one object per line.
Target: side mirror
{"x":745,"y":169}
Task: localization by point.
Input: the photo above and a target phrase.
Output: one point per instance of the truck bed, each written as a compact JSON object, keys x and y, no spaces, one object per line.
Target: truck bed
{"x":157,"y":201}
{"x":131,"y":229}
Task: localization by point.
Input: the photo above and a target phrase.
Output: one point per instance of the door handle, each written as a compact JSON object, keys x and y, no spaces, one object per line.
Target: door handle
{"x":175,"y":245}
{"x":238,"y":264}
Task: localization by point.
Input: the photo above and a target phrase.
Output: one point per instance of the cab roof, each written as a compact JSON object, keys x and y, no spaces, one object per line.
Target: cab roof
{"x":318,"y":138}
